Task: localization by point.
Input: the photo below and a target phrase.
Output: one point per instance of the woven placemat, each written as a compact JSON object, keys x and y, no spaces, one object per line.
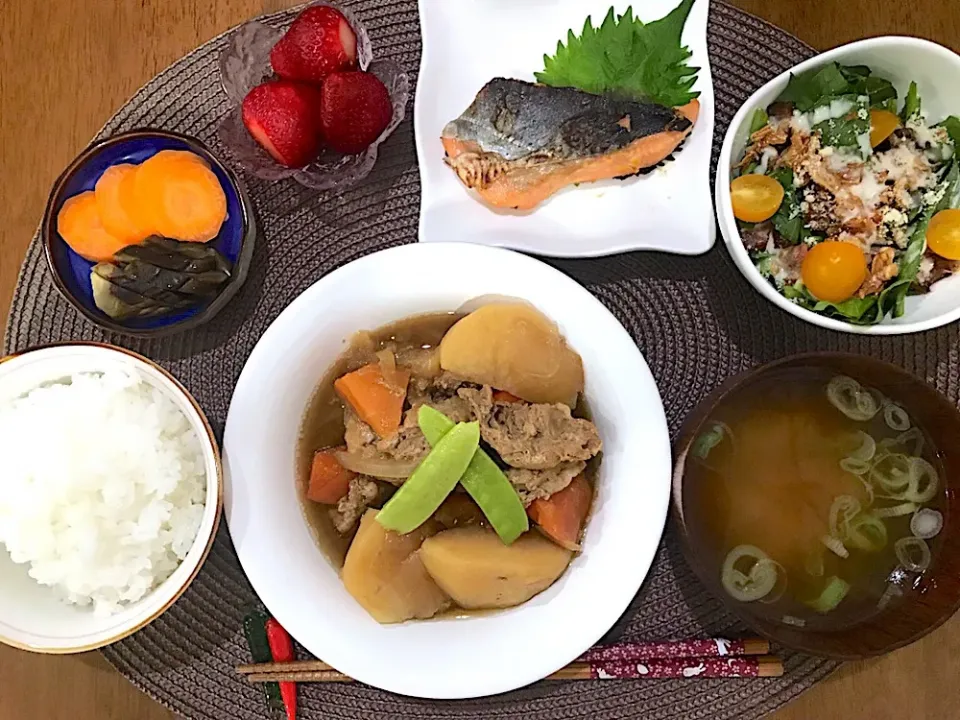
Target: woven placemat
{"x":695,"y":319}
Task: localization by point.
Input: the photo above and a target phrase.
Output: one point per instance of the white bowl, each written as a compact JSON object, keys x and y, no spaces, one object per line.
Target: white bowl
{"x":669,"y":209}
{"x":31,"y":617}
{"x":446,"y":658}
{"x":936,"y":70}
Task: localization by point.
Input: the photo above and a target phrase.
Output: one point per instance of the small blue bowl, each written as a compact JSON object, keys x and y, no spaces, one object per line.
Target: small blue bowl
{"x":71,"y":273}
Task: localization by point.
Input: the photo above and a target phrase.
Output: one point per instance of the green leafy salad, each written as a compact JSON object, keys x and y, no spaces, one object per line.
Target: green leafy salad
{"x":846,"y":198}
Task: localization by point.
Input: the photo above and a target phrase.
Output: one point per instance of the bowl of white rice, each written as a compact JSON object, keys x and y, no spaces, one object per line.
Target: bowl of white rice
{"x":110,"y":495}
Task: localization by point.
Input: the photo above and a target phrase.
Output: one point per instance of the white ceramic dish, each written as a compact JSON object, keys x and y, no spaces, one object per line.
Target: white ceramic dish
{"x":670,"y":209}
{"x":31,"y":617}
{"x":446,"y":658}
{"x":901,"y":60}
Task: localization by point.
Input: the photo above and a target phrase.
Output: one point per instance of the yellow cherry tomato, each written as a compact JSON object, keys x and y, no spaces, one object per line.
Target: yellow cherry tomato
{"x":882,"y":125}
{"x":755,"y":198}
{"x":943,"y":234}
{"x":833,"y":270}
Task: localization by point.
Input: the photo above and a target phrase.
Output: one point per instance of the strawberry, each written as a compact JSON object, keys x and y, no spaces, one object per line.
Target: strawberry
{"x":284,"y":117}
{"x":355,"y":109}
{"x":319,"y":42}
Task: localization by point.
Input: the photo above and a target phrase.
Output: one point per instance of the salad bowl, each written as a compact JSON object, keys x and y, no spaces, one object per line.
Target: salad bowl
{"x":902,"y":61}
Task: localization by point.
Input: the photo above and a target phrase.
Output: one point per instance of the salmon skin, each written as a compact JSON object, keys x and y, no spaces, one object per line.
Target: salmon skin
{"x":519,"y":143}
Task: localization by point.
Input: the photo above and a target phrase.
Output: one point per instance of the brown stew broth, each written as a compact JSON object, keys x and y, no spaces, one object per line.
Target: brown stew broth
{"x":322,"y":425}
{"x":782,"y":518}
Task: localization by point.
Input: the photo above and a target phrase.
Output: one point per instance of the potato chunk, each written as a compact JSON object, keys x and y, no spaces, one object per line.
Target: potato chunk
{"x":384,"y":573}
{"x":475,"y":568}
{"x":513,"y":347}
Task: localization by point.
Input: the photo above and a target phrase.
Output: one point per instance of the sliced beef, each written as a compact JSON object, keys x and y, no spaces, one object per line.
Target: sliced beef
{"x":429,"y":391}
{"x":361,"y":494}
{"x":406,"y":445}
{"x":536,"y":484}
{"x":532,"y":436}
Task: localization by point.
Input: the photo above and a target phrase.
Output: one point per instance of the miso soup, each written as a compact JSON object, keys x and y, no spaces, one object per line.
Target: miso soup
{"x":818,"y":498}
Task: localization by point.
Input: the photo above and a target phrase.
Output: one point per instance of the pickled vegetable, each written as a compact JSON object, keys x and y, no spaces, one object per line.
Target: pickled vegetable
{"x":158,"y":277}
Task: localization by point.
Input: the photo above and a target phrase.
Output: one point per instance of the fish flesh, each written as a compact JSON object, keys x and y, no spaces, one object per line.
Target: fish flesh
{"x":519,"y":142}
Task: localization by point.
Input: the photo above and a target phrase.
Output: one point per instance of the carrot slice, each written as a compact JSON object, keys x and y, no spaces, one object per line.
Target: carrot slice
{"x":329,"y":480}
{"x":377,"y":401}
{"x":180,"y":196}
{"x":78,"y":223}
{"x":128,"y":199}
{"x":116,"y":216}
{"x":561,"y":515}
{"x":184,"y":155}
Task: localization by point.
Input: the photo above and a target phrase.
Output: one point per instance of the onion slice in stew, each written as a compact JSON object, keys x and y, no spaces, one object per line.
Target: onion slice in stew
{"x":378,"y":467}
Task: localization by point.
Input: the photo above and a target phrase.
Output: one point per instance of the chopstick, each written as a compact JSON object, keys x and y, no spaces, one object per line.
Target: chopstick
{"x":688,"y":659}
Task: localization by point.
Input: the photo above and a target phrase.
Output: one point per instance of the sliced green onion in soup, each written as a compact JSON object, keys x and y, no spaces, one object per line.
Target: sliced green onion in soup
{"x":892,"y":472}
{"x":923,"y":483}
{"x":854,"y":466}
{"x":896,"y":417}
{"x":910,"y":442}
{"x":852,"y":399}
{"x":867,"y":532}
{"x":864,"y":446}
{"x":895,"y":510}
{"x":832,"y":595}
{"x":712,"y":436}
{"x":749,"y":574}
{"x":926,"y":523}
{"x":913,"y":553}
{"x":843,"y":509}
{"x":835,"y":546}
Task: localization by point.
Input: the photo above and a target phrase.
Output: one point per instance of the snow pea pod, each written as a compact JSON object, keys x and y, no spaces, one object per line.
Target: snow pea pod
{"x":485,"y":482}
{"x":435,"y":478}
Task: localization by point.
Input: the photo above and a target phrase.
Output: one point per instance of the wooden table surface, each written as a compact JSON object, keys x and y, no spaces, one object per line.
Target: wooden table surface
{"x":67,"y":65}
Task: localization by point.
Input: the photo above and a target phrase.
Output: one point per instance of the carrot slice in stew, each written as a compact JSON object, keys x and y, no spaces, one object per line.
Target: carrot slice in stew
{"x":181,"y":196}
{"x":116,"y":208}
{"x":561,"y":515}
{"x":329,"y":480}
{"x":78,"y":223}
{"x":376,"y":400}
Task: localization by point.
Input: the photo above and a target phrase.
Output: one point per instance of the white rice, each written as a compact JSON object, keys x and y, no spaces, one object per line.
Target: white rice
{"x":102,"y":486}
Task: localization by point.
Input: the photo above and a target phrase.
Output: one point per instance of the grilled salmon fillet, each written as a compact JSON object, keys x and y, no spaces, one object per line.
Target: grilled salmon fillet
{"x":519,"y":143}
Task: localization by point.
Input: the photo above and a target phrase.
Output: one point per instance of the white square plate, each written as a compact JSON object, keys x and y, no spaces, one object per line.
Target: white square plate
{"x":466,"y":44}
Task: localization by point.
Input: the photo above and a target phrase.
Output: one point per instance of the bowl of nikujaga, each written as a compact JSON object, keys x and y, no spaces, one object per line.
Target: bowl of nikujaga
{"x":815,"y":498}
{"x":484,"y":577}
{"x":148,"y":233}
